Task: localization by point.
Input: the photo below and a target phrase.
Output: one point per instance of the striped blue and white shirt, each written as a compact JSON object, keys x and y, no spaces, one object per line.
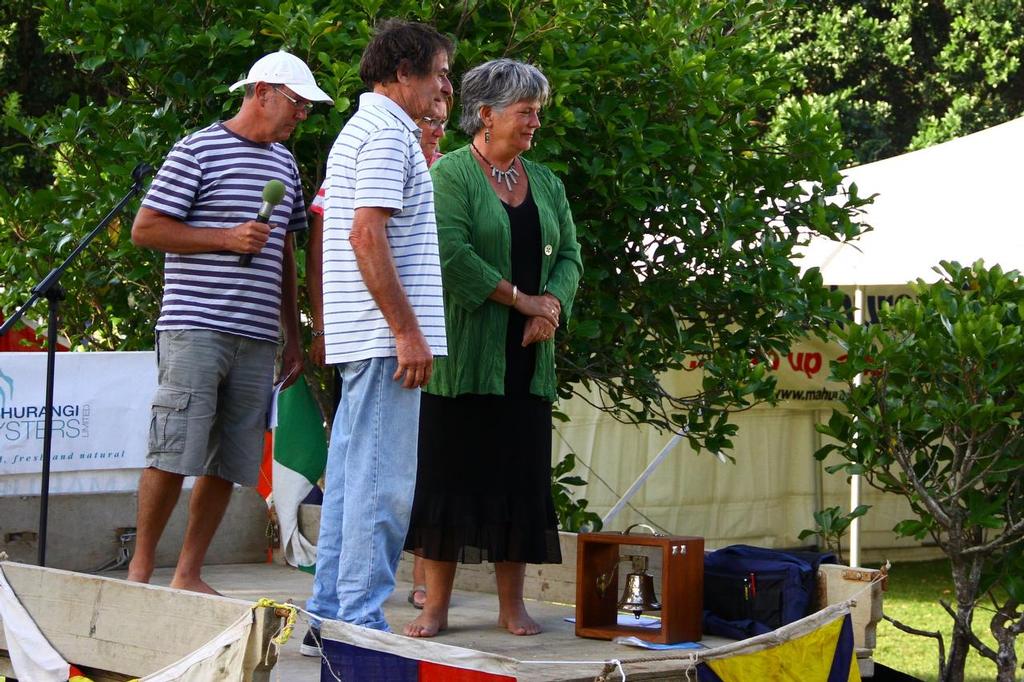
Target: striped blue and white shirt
{"x":214,"y":179}
{"x":376,"y":162}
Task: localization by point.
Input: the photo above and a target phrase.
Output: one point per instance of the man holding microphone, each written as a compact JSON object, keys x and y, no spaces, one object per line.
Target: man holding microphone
{"x":216,"y":209}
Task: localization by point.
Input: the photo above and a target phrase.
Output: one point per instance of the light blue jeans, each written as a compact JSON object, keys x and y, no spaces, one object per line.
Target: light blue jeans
{"x":371,"y":477}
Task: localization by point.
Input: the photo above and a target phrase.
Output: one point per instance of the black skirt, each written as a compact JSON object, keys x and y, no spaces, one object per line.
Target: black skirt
{"x":483,"y":484}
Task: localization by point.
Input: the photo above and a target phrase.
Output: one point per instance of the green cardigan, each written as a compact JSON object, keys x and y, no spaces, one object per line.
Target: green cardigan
{"x":475,"y":244}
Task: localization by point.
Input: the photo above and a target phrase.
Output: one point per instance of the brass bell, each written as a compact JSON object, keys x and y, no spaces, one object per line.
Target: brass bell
{"x":638,"y":595}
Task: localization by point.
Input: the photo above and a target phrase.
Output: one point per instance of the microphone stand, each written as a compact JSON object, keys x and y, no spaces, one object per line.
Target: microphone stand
{"x":50,"y":288}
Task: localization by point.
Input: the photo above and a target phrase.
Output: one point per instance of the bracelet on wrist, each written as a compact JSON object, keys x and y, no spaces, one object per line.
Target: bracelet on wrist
{"x":515,"y":294}
{"x":317,"y":333}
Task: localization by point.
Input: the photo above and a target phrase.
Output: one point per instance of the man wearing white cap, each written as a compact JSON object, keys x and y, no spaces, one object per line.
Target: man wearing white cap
{"x":222,"y":313}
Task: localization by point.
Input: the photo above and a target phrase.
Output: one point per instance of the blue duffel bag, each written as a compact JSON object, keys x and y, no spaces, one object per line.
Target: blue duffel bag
{"x":752,"y":590}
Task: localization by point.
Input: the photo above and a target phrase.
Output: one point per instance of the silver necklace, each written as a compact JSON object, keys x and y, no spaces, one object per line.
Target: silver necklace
{"x":509,"y":177}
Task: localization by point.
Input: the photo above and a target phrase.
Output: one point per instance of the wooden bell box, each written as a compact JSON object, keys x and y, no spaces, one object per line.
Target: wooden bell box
{"x":598,"y":557}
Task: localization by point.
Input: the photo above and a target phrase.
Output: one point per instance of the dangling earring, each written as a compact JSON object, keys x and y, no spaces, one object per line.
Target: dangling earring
{"x":487,"y":136}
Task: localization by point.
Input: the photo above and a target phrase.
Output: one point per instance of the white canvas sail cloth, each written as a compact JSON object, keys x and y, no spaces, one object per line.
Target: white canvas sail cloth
{"x":32,"y":656}
{"x":34,"y":659}
{"x":219,"y":660}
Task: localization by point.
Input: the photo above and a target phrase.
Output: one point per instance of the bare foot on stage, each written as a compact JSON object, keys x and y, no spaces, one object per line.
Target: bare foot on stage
{"x":427,"y":624}
{"x":138,"y":573}
{"x":195,"y":585}
{"x":518,"y":622}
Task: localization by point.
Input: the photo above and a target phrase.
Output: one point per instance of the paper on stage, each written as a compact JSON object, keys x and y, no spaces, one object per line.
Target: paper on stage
{"x":637,"y":642}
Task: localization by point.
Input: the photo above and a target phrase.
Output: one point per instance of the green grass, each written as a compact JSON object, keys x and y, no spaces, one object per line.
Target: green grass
{"x":913,"y":599}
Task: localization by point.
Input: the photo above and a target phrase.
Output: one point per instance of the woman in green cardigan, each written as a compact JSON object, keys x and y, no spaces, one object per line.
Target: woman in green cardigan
{"x":511,"y":265}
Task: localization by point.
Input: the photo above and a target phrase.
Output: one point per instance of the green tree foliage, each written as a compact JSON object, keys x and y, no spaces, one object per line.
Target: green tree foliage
{"x":572,"y":511}
{"x":687,"y":210}
{"x":937,"y":420}
{"x":905,"y":74}
{"x":830,"y":525}
{"x":32,"y":82}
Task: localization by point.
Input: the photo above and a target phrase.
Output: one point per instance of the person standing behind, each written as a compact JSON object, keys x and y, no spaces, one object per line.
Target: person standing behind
{"x":511,"y":267}
{"x":431,"y":132}
{"x":220,"y":321}
{"x":383,"y":321}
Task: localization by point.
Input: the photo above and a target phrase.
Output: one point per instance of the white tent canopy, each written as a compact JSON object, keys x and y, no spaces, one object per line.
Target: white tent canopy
{"x":952,"y":201}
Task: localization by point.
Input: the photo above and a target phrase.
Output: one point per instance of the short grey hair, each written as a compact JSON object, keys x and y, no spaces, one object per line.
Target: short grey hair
{"x":498,"y":84}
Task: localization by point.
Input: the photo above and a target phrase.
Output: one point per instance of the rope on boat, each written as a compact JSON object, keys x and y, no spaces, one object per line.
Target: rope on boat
{"x":610,"y":666}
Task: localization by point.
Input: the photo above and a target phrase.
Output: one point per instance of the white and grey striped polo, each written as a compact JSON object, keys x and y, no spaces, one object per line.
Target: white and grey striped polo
{"x":214,"y":178}
{"x":377,"y":162}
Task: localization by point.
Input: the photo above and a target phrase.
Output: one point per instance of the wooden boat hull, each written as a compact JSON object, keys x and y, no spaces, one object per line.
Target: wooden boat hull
{"x":119,"y":630}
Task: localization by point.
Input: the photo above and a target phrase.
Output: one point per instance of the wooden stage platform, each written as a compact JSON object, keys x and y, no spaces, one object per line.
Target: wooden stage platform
{"x":472,"y":622}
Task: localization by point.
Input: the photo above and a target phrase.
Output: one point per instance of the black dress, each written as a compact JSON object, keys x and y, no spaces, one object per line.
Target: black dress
{"x":483,"y":482}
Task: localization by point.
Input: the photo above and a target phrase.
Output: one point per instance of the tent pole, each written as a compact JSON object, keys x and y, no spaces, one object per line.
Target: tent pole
{"x":858,"y":318}
{"x":628,"y":495}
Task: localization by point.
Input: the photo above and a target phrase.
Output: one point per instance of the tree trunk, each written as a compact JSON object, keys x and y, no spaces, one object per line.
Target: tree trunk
{"x":1006,"y":657}
{"x":966,"y":577}
{"x":1007,"y":665}
{"x":958,"y":650}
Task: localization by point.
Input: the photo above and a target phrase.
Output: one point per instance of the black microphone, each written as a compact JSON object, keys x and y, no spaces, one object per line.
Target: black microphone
{"x":273,"y":193}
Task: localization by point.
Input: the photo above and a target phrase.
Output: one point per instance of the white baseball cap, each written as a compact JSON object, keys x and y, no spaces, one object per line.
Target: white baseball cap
{"x":283,"y":68}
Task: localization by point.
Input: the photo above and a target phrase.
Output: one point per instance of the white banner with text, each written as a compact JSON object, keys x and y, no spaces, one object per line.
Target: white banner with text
{"x":101,"y":414}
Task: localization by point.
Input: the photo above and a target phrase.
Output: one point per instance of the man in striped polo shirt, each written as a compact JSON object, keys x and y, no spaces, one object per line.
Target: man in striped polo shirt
{"x":383,"y":319}
{"x":221,"y":317}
